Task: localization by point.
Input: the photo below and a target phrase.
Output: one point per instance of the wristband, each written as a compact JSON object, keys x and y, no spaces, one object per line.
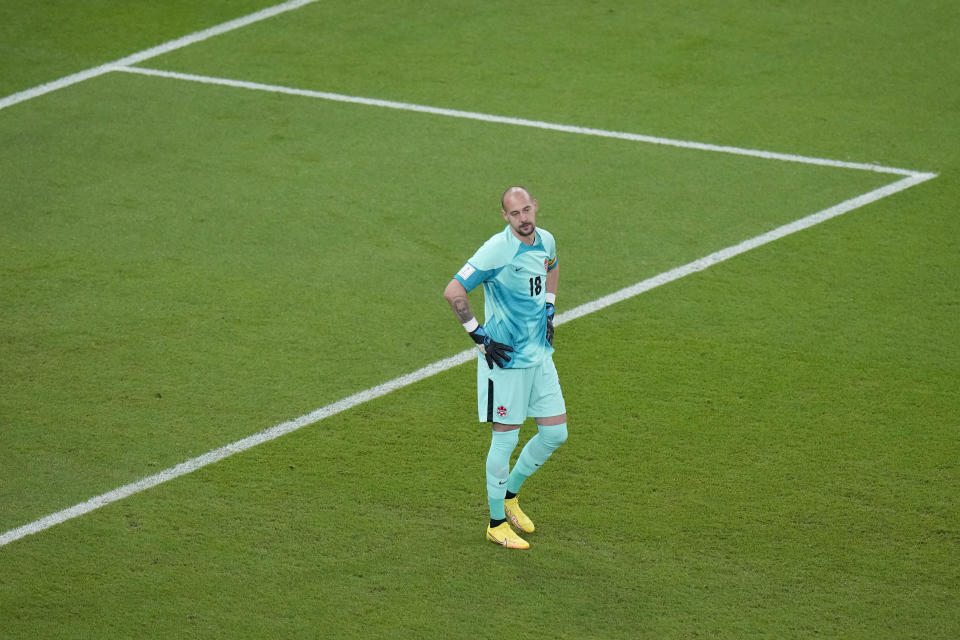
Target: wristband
{"x":551,"y":298}
{"x":471,"y":325}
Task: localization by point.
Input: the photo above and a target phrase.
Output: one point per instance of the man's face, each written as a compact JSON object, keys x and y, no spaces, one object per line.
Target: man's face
{"x":520,"y":211}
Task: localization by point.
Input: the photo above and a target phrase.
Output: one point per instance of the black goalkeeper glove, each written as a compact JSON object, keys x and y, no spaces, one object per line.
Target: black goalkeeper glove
{"x":550,"y":312}
{"x":492,"y":350}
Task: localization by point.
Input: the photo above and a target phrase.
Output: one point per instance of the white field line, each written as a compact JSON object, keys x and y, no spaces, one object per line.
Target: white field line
{"x":484,"y":117}
{"x":735,"y":250}
{"x":448,"y":363}
{"x":152,"y":52}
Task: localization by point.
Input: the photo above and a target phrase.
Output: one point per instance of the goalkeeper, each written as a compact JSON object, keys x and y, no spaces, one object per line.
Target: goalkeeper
{"x":516,"y":378}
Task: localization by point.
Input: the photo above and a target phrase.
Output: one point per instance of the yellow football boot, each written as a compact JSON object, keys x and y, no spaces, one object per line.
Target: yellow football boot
{"x":503,"y":535}
{"x":517,"y":517}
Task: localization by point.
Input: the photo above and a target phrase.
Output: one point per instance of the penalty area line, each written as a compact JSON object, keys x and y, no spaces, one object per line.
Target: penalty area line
{"x":152,"y":52}
{"x":742,"y":247}
{"x":519,"y":122}
{"x":430,"y":370}
{"x":239,"y":446}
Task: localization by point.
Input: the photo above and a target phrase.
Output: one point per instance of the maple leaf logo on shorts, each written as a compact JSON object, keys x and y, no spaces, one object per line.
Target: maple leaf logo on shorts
{"x":501,"y":411}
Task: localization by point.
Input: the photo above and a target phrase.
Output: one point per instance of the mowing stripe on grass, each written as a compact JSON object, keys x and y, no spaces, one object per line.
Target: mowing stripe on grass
{"x":448,"y":363}
{"x":521,"y":122}
{"x":152,"y":52}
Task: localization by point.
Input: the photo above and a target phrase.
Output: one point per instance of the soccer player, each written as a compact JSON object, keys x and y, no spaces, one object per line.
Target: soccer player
{"x":516,"y":377}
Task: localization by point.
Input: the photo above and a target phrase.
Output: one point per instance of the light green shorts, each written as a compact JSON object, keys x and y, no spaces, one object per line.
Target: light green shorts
{"x":510,"y":396}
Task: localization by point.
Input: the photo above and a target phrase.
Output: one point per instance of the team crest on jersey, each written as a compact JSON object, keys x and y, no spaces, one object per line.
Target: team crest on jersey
{"x":501,"y":411}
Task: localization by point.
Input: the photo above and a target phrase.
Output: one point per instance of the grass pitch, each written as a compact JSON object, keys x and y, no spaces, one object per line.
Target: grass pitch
{"x":764,"y":449}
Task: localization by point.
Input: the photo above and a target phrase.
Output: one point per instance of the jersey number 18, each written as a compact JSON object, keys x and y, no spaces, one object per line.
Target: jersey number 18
{"x":535,"y":286}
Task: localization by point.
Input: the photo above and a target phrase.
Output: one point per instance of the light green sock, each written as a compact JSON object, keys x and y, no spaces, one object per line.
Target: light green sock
{"x":535,"y":453}
{"x":502,"y":444}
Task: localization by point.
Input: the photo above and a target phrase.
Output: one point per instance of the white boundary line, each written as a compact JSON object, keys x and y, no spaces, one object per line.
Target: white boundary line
{"x":911,"y":178}
{"x":152,"y":52}
{"x":735,"y":250}
{"x":484,"y":117}
{"x":448,"y":363}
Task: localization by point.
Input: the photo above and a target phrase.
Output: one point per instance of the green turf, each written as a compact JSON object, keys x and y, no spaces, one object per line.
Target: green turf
{"x":43,"y":41}
{"x":831,"y":78}
{"x":209,"y":295}
{"x":764,"y":449}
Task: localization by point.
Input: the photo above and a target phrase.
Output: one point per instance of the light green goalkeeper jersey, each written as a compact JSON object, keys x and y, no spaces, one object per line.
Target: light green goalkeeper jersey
{"x":514,"y":278}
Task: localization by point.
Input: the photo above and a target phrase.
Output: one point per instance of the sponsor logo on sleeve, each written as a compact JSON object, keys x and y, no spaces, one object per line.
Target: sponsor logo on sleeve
{"x":466,"y":271}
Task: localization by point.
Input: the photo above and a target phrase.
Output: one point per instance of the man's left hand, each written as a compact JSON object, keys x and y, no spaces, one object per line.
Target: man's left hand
{"x":550,"y":313}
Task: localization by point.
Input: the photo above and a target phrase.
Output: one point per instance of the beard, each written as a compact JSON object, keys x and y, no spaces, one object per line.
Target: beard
{"x":526,"y":229}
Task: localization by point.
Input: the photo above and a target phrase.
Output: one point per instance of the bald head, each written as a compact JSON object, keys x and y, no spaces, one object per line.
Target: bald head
{"x":514,"y":192}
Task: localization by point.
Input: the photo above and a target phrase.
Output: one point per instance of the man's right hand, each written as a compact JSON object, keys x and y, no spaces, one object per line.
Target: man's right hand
{"x":493,"y":351}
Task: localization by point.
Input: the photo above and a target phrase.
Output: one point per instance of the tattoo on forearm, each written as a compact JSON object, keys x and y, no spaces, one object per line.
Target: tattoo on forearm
{"x":461,"y":307}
